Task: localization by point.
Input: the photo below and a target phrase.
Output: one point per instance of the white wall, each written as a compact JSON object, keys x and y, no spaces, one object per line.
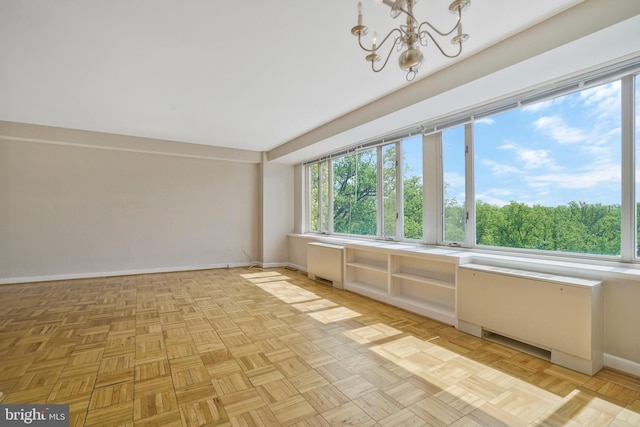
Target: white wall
{"x":277,"y":212}
{"x":622,"y":324}
{"x":70,"y":211}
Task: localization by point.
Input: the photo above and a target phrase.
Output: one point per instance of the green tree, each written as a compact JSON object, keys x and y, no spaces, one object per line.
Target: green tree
{"x":455,"y":218}
{"x":314,"y":197}
{"x":578,"y":227}
{"x":354,"y":193}
{"x":389,"y":190}
{"x":413,"y":207}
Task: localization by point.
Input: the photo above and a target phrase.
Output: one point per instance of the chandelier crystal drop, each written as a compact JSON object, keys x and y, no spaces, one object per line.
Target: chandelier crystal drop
{"x":408,"y":37}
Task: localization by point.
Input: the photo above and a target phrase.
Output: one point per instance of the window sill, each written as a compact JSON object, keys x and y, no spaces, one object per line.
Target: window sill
{"x":556,"y":264}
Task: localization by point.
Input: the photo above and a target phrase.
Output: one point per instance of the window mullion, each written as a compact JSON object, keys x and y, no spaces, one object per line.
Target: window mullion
{"x":439,"y":201}
{"x":321,"y":206}
{"x":380,"y":193}
{"x":399,"y":192}
{"x":308,"y":201}
{"x":431,"y":181}
{"x":628,"y":231}
{"x":330,"y":196}
{"x":470,"y":197}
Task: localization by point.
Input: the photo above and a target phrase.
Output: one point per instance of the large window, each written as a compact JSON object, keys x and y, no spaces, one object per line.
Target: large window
{"x":551,"y":173}
{"x":375,"y":192}
{"x":547,"y":175}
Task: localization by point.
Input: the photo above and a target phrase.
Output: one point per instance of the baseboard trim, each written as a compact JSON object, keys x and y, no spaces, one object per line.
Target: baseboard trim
{"x":273,"y":264}
{"x":31,"y":279}
{"x":620,"y":364}
{"x":297,"y":267}
{"x":53,"y":278}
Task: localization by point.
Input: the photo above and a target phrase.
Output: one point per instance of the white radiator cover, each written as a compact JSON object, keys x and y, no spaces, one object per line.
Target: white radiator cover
{"x":560,"y":314}
{"x":324,"y":261}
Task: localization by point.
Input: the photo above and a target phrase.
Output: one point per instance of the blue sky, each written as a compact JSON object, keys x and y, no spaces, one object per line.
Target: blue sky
{"x":549,"y":153}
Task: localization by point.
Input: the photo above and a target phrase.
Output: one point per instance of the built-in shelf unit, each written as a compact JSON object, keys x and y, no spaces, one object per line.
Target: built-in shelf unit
{"x":417,"y":278}
{"x":559,"y":318}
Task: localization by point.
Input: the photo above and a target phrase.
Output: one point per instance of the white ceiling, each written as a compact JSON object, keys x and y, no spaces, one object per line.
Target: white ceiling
{"x":250,"y":74}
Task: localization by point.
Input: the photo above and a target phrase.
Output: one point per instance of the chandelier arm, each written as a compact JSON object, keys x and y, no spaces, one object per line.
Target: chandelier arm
{"x":440,"y":48}
{"x":381,"y":43}
{"x":385,"y":61}
{"x":458,"y":21}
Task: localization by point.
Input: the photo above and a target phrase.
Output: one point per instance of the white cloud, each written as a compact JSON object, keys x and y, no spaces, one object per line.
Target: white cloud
{"x":454,"y":186}
{"x":596,"y":176}
{"x":485,"y":121}
{"x":455,"y":180}
{"x":535,"y":159}
{"x":496,"y":196}
{"x":605,"y":99}
{"x":538,"y":106}
{"x":603,"y":142}
{"x":532,"y":159}
{"x":556,"y":128}
{"x":499,"y":169}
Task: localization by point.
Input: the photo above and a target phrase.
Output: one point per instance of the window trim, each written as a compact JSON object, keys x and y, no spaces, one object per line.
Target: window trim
{"x":626,"y":72}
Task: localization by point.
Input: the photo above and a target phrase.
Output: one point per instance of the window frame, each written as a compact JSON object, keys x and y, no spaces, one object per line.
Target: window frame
{"x":628,"y":73}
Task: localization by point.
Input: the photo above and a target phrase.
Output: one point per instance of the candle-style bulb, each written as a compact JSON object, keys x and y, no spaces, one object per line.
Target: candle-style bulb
{"x":375,"y":40}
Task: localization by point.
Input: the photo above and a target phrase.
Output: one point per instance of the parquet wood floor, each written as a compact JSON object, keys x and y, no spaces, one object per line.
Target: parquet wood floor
{"x":246,"y":347}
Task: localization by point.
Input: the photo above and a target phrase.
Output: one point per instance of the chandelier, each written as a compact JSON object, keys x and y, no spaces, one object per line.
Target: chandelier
{"x":410,"y":36}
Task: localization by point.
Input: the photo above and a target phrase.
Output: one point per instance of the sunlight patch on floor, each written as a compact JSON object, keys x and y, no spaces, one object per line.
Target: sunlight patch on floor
{"x":334,"y":315}
{"x":258,"y":275}
{"x":267,"y":276}
{"x":287,"y":292}
{"x":303,"y":300}
{"x":467,"y":385}
{"x":372,"y":333}
{"x":456,"y":381}
{"x":315,"y":305}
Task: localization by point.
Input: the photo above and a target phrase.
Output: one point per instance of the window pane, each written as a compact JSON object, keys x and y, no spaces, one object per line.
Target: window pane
{"x":547,"y":176}
{"x":389,"y":190}
{"x":637,"y":98}
{"x":324,"y":197}
{"x":453,"y":168}
{"x":313,"y":198}
{"x":412,"y":186}
{"x":354,"y":194}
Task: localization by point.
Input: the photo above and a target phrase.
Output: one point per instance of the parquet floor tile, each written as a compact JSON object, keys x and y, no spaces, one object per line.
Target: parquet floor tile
{"x":348,"y":414}
{"x":247,"y":347}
